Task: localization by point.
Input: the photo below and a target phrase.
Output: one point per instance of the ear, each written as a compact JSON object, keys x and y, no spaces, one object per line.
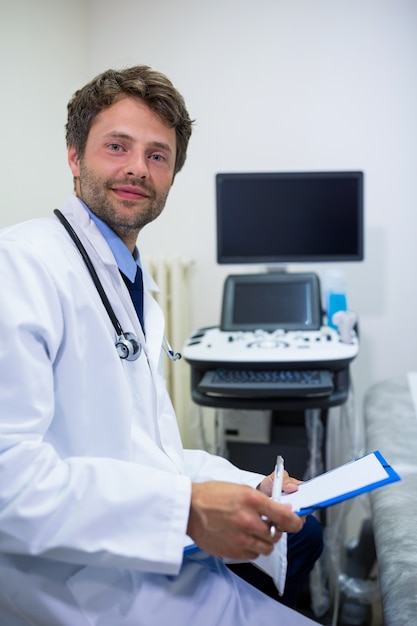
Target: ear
{"x":73,"y":161}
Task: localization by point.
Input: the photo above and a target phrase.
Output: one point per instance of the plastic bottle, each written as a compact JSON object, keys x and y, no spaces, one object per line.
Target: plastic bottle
{"x":334,"y":293}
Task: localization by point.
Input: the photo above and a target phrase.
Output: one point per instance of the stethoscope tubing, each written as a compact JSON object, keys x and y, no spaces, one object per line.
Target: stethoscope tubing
{"x":124,"y":339}
{"x":97,"y":283}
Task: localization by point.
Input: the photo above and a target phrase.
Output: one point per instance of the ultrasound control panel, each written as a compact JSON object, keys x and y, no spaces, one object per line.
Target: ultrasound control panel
{"x":322,"y":348}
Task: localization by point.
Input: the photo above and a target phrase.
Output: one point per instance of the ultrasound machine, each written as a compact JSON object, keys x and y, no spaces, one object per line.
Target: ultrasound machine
{"x":274,"y":349}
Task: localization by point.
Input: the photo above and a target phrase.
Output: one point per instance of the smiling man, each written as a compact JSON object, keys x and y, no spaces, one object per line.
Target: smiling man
{"x":104,"y":518}
{"x":127,"y":167}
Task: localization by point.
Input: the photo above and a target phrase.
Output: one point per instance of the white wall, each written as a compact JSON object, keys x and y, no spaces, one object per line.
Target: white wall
{"x":274,"y":85}
{"x":43,"y":59}
{"x":278,"y":85}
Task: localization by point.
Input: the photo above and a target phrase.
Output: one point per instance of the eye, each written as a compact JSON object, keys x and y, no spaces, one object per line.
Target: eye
{"x":157,"y":157}
{"x":115,"y":147}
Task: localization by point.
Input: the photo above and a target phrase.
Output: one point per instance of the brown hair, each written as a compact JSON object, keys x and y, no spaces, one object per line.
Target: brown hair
{"x":155,"y":89}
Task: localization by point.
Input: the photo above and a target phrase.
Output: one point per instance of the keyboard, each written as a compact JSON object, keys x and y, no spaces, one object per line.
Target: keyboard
{"x":266,"y":383}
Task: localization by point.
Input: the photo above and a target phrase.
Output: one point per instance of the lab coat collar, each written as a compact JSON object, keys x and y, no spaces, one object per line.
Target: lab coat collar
{"x":76,"y":208}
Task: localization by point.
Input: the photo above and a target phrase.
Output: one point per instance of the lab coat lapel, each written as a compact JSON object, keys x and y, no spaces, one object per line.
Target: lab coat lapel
{"x":102,"y":257}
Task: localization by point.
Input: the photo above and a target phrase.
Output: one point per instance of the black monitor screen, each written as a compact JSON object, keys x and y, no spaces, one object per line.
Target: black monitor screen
{"x":271,"y":301}
{"x":289,"y":217}
{"x":277,"y":305}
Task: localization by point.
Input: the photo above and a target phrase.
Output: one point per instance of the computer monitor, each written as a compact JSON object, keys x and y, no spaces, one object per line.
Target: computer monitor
{"x":289,"y":217}
{"x":271,"y":300}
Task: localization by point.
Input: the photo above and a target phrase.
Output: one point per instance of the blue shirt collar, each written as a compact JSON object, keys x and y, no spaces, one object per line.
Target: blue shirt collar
{"x":126,"y":262}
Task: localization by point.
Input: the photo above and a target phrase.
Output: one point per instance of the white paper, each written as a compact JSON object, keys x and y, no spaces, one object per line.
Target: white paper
{"x":342,"y":481}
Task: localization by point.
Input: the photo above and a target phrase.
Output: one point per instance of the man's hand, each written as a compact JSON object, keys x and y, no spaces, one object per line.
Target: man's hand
{"x":289,"y":484}
{"x":233,"y":521}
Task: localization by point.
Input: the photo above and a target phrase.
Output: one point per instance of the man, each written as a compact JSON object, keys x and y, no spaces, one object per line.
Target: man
{"x":104,"y":518}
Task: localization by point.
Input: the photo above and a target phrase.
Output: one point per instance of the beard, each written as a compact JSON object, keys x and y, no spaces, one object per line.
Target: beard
{"x":125,"y":217}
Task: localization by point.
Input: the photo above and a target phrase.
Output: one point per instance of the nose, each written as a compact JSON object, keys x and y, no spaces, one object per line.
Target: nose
{"x":137,"y":166}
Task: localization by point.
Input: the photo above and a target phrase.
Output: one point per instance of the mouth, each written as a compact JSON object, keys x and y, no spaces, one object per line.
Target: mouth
{"x":129,"y":192}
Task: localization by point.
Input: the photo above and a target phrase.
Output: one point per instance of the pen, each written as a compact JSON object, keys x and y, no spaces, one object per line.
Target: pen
{"x":278,"y":478}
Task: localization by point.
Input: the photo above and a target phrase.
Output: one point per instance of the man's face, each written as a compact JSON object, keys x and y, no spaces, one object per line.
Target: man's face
{"x":128,"y":167}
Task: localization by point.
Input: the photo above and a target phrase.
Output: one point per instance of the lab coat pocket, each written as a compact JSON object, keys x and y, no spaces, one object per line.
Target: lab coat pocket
{"x":104,"y":595}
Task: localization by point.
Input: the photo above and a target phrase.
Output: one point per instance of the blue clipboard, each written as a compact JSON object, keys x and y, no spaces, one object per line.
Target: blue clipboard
{"x":342,"y":483}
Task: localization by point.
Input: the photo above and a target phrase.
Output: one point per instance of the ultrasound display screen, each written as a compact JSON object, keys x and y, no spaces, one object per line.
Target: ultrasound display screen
{"x":268,"y":302}
{"x":279,"y":304}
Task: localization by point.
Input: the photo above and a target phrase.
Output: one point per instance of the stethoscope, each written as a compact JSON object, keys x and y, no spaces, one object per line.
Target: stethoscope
{"x":128,"y":345}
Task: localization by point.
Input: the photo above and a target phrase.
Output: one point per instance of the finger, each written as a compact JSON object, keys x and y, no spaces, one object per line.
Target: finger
{"x":291,"y":485}
{"x":274,"y":535}
{"x":275,"y":532}
{"x":250,"y":546}
{"x":272,"y":532}
{"x":266,"y":547}
{"x":266,"y":485}
{"x":282,"y":516}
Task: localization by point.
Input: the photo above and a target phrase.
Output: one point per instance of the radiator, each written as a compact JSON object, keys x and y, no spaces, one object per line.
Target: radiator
{"x":172,"y":275}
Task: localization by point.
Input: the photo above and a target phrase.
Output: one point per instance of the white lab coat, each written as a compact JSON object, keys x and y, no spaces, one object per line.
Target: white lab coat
{"x":94,"y":484}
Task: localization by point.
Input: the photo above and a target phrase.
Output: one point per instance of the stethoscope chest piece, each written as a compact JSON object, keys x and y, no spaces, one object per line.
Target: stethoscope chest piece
{"x":128,"y":347}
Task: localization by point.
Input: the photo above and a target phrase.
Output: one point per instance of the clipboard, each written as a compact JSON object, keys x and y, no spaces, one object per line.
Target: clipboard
{"x":352,"y":479}
{"x":347,"y":481}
